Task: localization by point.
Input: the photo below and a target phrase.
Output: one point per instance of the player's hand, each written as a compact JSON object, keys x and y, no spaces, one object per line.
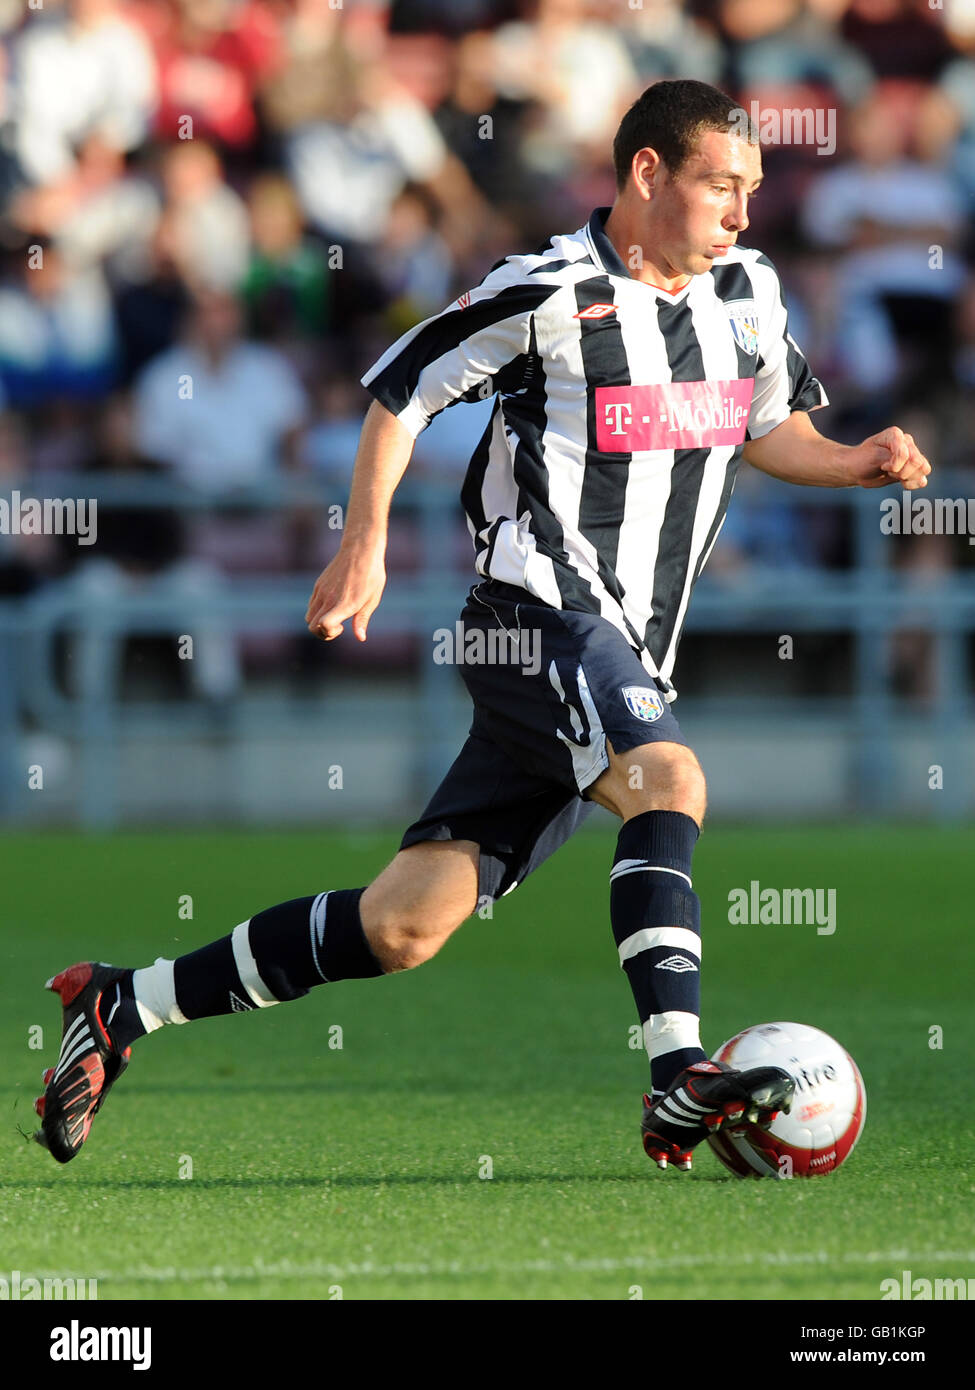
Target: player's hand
{"x":350,"y":587}
{"x":889,"y":457}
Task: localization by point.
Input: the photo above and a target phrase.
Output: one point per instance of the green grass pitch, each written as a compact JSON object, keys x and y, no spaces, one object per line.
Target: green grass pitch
{"x":317,"y":1168}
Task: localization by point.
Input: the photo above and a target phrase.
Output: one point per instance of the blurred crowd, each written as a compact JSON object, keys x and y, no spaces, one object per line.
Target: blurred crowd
{"x":257,"y":196}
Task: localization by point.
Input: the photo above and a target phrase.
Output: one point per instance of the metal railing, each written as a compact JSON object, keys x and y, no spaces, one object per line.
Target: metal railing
{"x":870,"y":601}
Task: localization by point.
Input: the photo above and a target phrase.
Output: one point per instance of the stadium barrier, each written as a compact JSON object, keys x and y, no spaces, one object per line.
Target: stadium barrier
{"x":869,"y":601}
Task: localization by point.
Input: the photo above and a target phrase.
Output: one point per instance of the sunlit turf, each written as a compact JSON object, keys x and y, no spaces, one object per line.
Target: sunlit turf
{"x":252,"y":1156}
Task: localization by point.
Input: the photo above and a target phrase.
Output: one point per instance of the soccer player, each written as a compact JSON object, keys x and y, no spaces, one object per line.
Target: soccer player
{"x":634,"y":362}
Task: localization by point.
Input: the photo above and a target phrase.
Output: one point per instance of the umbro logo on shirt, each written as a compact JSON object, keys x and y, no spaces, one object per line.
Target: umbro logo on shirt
{"x":596,"y":311}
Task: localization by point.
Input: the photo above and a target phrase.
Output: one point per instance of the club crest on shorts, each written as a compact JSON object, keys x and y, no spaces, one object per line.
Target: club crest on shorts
{"x":644,"y":702}
{"x":743,"y":317}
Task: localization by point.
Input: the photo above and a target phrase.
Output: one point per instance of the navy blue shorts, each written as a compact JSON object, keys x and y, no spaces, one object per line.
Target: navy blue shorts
{"x":549,"y":688}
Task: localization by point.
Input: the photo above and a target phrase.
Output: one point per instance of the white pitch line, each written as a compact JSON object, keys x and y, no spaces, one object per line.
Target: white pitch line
{"x":284,"y":1269}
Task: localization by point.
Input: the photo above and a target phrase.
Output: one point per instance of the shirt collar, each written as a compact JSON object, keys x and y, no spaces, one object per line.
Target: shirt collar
{"x":609,"y":257}
{"x":605,"y":250}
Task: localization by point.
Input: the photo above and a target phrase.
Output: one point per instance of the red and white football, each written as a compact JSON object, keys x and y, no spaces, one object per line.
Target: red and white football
{"x":828,"y":1109}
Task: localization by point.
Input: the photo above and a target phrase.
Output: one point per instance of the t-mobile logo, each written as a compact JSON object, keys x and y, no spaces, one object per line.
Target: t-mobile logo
{"x":672,"y":415}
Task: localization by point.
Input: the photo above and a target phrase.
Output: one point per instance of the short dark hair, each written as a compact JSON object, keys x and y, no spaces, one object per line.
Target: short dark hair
{"x":669,"y":117}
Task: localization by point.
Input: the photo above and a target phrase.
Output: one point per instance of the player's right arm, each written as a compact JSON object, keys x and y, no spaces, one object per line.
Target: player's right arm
{"x":476,"y":346}
{"x":352,"y":585}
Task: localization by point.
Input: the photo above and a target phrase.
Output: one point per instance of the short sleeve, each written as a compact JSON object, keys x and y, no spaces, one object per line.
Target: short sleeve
{"x":476,"y":346}
{"x":783,"y":380}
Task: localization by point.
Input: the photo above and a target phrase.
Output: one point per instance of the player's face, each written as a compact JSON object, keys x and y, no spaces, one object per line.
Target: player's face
{"x":700,"y":211}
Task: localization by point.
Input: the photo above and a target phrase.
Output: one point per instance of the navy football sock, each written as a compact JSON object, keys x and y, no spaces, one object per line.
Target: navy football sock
{"x":277,"y":955}
{"x":656,"y":920}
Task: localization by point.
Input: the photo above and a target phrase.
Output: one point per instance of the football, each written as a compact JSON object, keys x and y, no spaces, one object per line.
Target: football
{"x":828,"y":1109}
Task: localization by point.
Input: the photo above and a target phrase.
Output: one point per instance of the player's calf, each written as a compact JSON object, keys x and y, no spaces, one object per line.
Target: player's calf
{"x":419,"y":901}
{"x":277,"y":955}
{"x":658,"y":790}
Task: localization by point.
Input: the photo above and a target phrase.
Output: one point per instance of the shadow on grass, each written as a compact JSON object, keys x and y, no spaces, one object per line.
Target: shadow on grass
{"x":423,"y":1088}
{"x":343,"y":1181}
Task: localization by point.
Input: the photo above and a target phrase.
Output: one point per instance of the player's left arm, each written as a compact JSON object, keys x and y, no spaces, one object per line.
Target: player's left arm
{"x":796,"y":452}
{"x":781,"y":439}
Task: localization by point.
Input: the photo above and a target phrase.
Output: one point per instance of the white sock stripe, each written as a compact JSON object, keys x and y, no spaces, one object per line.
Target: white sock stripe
{"x":257,"y":991}
{"x":154,"y":990}
{"x":671,"y":1031}
{"x":649,"y":937}
{"x":640,"y":866}
{"x":316,"y":929}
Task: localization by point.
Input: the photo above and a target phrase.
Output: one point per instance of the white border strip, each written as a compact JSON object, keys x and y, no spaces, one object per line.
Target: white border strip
{"x":257,"y":991}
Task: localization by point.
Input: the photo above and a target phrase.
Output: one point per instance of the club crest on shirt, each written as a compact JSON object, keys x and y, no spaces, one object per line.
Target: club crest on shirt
{"x":645,"y":703}
{"x":743,"y":317}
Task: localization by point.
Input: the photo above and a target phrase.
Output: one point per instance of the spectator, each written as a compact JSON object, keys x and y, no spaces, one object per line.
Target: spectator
{"x":664,"y":41}
{"x":485,"y":129}
{"x":349,"y":171}
{"x":925,"y":561}
{"x":965,"y":351}
{"x":211,"y":54}
{"x":783,"y":44}
{"x":86,"y":69}
{"x":880,"y":214}
{"x":333,"y":441}
{"x":453,"y":17}
{"x":299,"y":132}
{"x":413,"y":262}
{"x":957,"y":85}
{"x":956,"y":401}
{"x":901,"y":39}
{"x":578,"y":72}
{"x":226,"y":416}
{"x":150,"y":310}
{"x":317,"y":65}
{"x":141,"y":551}
{"x":287,"y":288}
{"x":24,"y":559}
{"x":57,"y":333}
{"x":220,"y":412}
{"x":96,"y":212}
{"x":207,"y":223}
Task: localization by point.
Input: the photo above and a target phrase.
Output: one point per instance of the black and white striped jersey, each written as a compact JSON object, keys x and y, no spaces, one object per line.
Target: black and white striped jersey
{"x":605,"y":472}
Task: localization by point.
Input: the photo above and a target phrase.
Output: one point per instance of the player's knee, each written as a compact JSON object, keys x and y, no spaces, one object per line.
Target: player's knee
{"x":401,"y":940}
{"x":675,"y":775}
{"x":660,"y":777}
{"x":398,"y":950}
{"x":418,"y":901}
